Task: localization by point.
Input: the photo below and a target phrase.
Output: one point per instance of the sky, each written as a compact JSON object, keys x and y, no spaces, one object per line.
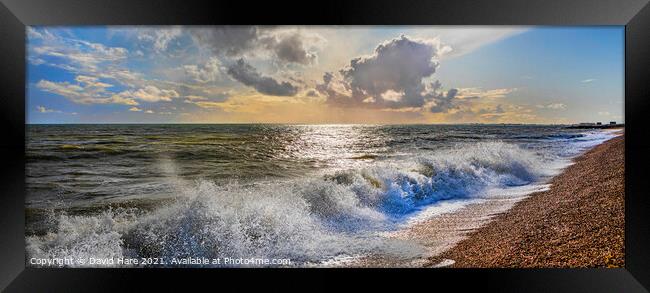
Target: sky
{"x":325,"y":74}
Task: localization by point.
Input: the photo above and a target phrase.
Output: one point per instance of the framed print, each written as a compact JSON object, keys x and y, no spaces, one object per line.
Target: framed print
{"x":148,"y":139}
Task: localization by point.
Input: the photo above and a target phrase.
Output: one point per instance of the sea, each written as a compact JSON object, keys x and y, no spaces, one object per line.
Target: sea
{"x":311,"y":194}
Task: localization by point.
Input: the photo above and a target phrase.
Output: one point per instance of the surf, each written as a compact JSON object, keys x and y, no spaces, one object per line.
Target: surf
{"x":308,"y":220}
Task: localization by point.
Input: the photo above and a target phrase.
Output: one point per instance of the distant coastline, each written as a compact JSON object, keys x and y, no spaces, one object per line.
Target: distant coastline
{"x":596,"y":126}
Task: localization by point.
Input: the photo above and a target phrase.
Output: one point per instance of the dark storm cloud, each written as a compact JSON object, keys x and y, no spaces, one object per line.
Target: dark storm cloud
{"x":248,"y":75}
{"x":290,"y":48}
{"x":287,"y":46}
{"x":227,"y":40}
{"x":444,"y":102}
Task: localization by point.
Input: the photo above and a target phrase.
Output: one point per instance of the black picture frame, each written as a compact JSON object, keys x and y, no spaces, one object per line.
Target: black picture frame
{"x":633,"y":14}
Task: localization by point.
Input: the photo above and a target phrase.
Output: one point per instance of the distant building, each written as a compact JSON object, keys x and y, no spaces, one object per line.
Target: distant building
{"x":599,"y":123}
{"x":586,"y":124}
{"x":612,"y":122}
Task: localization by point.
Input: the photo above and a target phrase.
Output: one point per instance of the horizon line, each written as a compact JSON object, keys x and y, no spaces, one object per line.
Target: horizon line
{"x":294,"y":123}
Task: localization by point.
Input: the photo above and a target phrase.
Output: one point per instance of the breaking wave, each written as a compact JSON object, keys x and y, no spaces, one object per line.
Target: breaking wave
{"x":308,"y":220}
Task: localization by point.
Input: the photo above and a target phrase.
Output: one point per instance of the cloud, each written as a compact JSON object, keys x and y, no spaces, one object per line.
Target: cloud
{"x":42,"y":109}
{"x":90,"y":90}
{"x":390,"y":95}
{"x":118,"y":99}
{"x":473,"y":93}
{"x":291,"y":50}
{"x":463,"y":98}
{"x":87,"y":90}
{"x":79,"y":57}
{"x":311,"y":93}
{"x":160,"y":38}
{"x":287,"y":46}
{"x":151,"y":94}
{"x":208,"y":72}
{"x":443,"y":103}
{"x":209,"y":104}
{"x":91,"y":82}
{"x":193,"y":93}
{"x":497,"y":111}
{"x":554,"y":106}
{"x":196,"y":98}
{"x":270,"y":60}
{"x":212,"y":101}
{"x":39,"y":34}
{"x":136,"y":109}
{"x":208,"y":95}
{"x":248,"y":75}
{"x":82,"y":56}
{"x":91,"y":62}
{"x":588,"y":80}
{"x":36,"y":61}
{"x":293,"y":46}
{"x":491,"y":113}
{"x":392,"y":77}
{"x":226,"y":40}
{"x":148,"y":93}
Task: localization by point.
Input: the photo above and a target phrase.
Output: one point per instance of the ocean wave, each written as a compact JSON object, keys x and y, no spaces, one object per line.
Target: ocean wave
{"x":550,"y":136}
{"x":308,"y":220}
{"x":223,"y":221}
{"x":586,"y":140}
